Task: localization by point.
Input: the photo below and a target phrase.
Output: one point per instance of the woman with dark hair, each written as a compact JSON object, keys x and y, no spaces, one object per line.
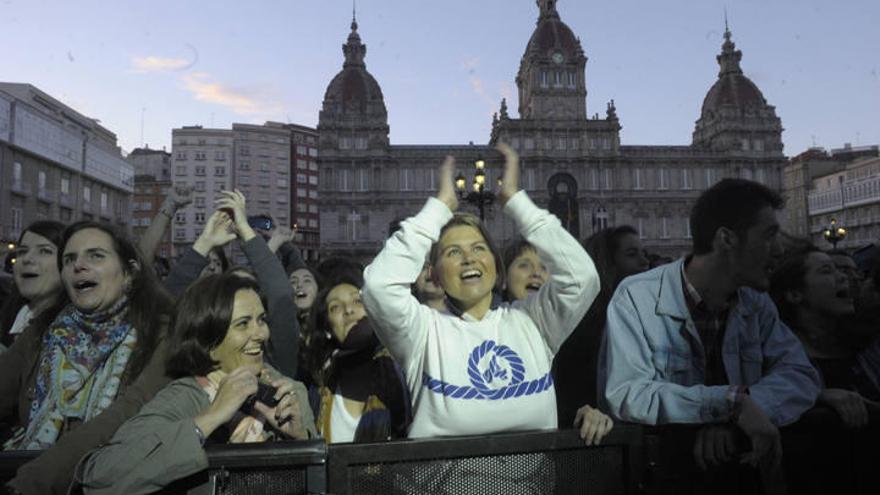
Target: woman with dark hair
{"x":220,"y":334}
{"x":362,"y":394}
{"x":69,"y":381}
{"x":813,"y":297}
{"x":618,"y":253}
{"x":205,"y":257}
{"x":37,"y":281}
{"x":526,"y":274}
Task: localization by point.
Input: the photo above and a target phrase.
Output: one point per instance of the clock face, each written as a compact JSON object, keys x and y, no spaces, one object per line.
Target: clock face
{"x":558,"y":58}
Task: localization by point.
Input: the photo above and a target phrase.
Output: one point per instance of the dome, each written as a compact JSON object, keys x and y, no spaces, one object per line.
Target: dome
{"x":354,"y":89}
{"x":732,"y":87}
{"x":353,"y":83}
{"x":551,"y":33}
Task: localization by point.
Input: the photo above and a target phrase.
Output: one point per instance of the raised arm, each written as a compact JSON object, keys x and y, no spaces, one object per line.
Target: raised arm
{"x":398,"y":318}
{"x":178,"y":197}
{"x":574,"y":283}
{"x":283,"y":323}
{"x":190,"y":265}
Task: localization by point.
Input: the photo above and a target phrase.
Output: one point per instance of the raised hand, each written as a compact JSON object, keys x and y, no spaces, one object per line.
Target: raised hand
{"x":715,"y":445}
{"x":235,"y":201}
{"x":446,"y":192}
{"x":217,"y":233}
{"x":510,"y":179}
{"x":850,"y":406}
{"x":233,"y":390}
{"x":280,"y":235}
{"x":180,"y":196}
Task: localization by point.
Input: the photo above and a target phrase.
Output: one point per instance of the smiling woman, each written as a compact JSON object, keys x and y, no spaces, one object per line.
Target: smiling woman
{"x":37,"y":281}
{"x":75,"y":378}
{"x":220,"y":333}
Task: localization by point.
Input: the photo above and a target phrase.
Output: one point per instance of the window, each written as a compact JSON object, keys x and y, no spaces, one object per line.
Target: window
{"x":181,"y":155}
{"x":594,"y":178}
{"x":362,"y":179}
{"x":557,"y":79}
{"x":16,"y":173}
{"x":560,"y":143}
{"x":200,"y":202}
{"x":313,"y":152}
{"x":200,"y":170}
{"x":687,"y":228}
{"x":219,"y":156}
{"x":352,"y":222}
{"x":264,"y":166}
{"x":313,"y":194}
{"x":302,"y":178}
{"x":313,"y":223}
{"x":202,"y":142}
{"x":301,"y":193}
{"x":282,"y":199}
{"x":16,"y":221}
{"x":200,"y":156}
{"x":544,"y":83}
{"x":180,"y":170}
{"x":244,"y":150}
{"x":281,"y":183}
{"x":41,"y":181}
{"x":200,"y":186}
{"x":200,"y":217}
{"x":244,"y":180}
{"x":685,"y":178}
{"x":219,"y":171}
{"x":179,"y":234}
{"x":344,"y":180}
{"x":406,"y":179}
{"x":641,"y":229}
{"x":65,"y":185}
{"x":302,"y":150}
{"x":664,"y":228}
{"x":607,"y":179}
{"x":662,"y":174}
{"x":219,"y":186}
{"x":313,"y":180}
{"x":313,"y":208}
{"x":244,"y":165}
{"x":360,"y":143}
{"x":313,"y":166}
{"x":572,"y":80}
{"x":87,"y":194}
{"x":302,"y":164}
{"x":710,"y":177}
{"x":103,"y":200}
{"x":530,"y":143}
{"x":301,"y":207}
{"x":344,"y":143}
{"x":637,"y":178}
{"x":530,"y":179}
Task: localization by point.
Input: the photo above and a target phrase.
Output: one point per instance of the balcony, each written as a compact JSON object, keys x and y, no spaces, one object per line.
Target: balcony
{"x":20,"y":188}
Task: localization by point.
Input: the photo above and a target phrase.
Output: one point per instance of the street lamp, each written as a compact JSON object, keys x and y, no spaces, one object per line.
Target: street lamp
{"x":833,"y":233}
{"x":479,"y":196}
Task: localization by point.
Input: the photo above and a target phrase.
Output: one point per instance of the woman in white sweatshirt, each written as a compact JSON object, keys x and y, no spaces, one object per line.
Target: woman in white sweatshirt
{"x":478,"y":367}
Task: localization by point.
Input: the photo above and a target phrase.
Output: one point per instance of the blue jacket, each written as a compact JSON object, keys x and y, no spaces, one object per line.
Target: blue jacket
{"x":651,"y":367}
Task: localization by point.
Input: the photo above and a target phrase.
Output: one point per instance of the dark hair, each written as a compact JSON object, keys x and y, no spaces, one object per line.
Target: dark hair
{"x":149,"y":306}
{"x":53,"y":232}
{"x":321,"y":342}
{"x":470,"y":220}
{"x":731,"y":203}
{"x":789,"y":275}
{"x":221,"y":255}
{"x":602,"y":247}
{"x":334,"y":268}
{"x":202,"y":321}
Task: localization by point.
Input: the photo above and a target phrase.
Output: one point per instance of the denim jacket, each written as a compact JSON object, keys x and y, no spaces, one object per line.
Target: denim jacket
{"x":651,"y":367}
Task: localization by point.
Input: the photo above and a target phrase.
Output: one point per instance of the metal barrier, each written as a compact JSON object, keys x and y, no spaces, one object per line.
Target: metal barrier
{"x":547,"y":462}
{"x":820,"y":456}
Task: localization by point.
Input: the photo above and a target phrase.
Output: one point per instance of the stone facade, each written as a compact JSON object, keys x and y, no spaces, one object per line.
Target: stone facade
{"x":57,"y":164}
{"x":573,"y":164}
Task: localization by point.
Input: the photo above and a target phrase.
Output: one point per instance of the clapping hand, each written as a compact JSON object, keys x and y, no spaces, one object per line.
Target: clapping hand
{"x":235,"y":201}
{"x":510,"y":178}
{"x":217,"y":233}
{"x":446,"y":193}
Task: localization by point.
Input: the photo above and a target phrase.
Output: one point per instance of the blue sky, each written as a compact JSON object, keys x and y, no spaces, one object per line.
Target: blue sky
{"x":443,"y":65}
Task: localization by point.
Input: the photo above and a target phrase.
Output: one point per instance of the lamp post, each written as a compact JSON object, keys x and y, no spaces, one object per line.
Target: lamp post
{"x":479,"y":196}
{"x":833,"y":233}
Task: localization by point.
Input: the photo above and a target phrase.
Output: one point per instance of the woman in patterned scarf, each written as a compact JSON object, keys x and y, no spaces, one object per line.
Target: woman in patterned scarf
{"x":67,"y":384}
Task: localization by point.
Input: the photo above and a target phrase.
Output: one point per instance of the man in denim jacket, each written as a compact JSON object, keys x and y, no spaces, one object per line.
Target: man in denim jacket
{"x":699,"y":340}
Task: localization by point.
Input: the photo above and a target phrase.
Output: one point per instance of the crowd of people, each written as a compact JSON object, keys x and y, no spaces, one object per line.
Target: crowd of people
{"x":121,"y":370}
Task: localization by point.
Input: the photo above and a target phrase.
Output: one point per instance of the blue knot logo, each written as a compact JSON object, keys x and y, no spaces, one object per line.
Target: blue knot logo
{"x":495,"y":372}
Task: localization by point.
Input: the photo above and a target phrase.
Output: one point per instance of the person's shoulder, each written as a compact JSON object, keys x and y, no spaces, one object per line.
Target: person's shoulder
{"x":648,"y":280}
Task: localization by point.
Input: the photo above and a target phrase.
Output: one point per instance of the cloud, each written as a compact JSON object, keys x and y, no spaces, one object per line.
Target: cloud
{"x":240,"y":101}
{"x":143,"y":65}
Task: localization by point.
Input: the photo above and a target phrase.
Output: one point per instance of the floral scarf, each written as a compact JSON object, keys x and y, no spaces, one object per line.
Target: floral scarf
{"x":81,"y":365}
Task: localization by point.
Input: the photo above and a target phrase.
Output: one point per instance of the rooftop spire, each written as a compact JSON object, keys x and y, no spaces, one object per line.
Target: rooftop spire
{"x":354,"y":50}
{"x":729,"y":57}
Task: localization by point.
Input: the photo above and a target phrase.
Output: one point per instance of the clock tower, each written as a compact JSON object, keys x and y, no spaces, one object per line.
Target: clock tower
{"x":551,"y":77}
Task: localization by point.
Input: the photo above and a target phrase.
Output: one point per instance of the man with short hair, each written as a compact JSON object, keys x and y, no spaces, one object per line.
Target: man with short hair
{"x":699,"y":341}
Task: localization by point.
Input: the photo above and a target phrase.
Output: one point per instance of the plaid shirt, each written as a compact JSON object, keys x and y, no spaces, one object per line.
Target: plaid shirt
{"x":710,"y":327}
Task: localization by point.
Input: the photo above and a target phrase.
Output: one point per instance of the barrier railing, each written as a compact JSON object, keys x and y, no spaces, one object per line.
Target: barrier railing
{"x":820,"y":455}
